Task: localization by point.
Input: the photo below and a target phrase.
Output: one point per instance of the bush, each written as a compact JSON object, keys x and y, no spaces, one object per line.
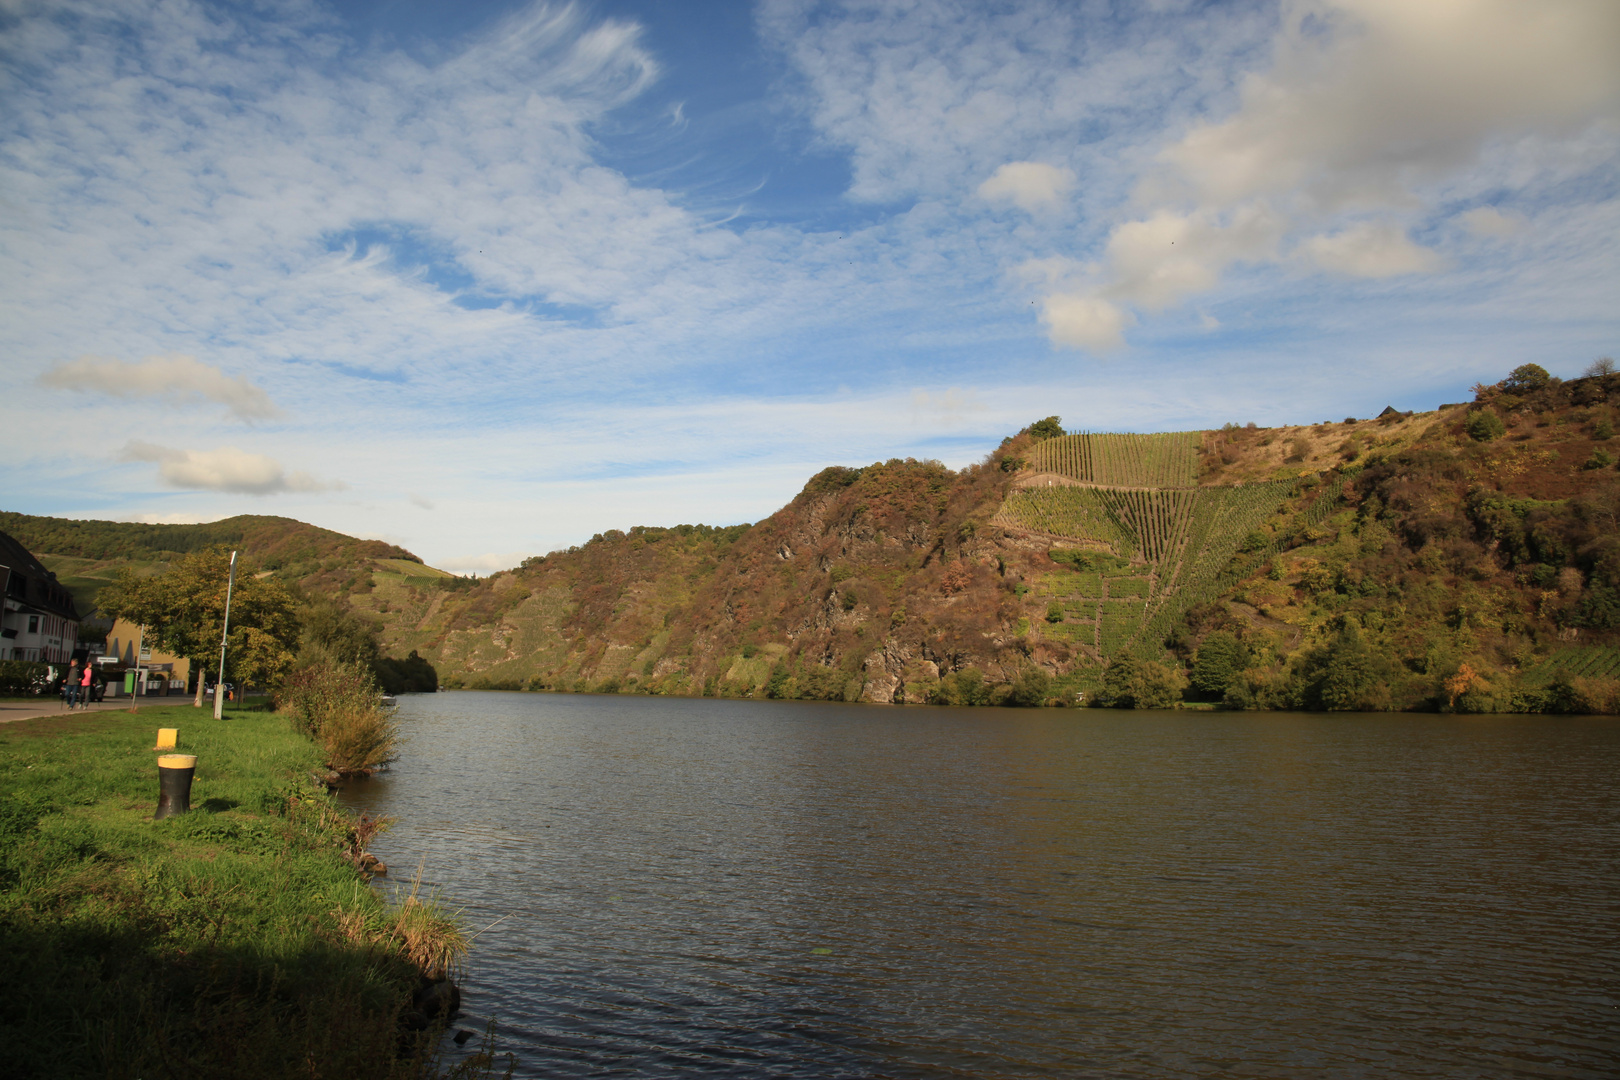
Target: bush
{"x":1483,"y":425}
{"x":1031,"y":689}
{"x":412,"y":675}
{"x":964,"y":687}
{"x":1575,"y":694}
{"x":1525,"y":379}
{"x":1345,"y":675}
{"x":1130,"y":683}
{"x":1600,"y":459}
{"x":340,"y":707}
{"x":1220,"y":659}
{"x":23,"y":677}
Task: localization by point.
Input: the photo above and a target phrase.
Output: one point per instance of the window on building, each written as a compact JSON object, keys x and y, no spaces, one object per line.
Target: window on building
{"x":33,"y":624}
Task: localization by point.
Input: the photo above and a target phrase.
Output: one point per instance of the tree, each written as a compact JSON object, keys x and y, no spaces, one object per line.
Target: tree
{"x":1031,"y":689}
{"x":1525,"y":379}
{"x":1603,"y":365}
{"x":1345,"y":674}
{"x":1050,"y":428}
{"x":182,"y":612}
{"x":348,"y":637}
{"x":1483,"y":425}
{"x":1130,"y":683}
{"x":1220,"y":658}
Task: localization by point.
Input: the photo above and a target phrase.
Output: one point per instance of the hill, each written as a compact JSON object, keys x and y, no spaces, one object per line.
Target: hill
{"x":85,"y":555}
{"x":1464,"y":558}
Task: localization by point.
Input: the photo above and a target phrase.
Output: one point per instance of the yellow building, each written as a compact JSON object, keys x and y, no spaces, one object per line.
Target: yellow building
{"x":165,"y":674}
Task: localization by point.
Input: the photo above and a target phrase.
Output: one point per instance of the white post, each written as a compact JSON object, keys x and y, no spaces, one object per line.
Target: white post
{"x":219,"y":681}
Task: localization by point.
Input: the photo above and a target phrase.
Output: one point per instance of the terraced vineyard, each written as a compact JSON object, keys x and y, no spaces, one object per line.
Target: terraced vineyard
{"x":1177,"y":542}
{"x":1160,"y":460}
{"x":1583,"y":662}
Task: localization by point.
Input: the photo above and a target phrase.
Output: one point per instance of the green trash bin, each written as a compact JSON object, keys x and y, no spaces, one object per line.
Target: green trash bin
{"x":129,"y":682}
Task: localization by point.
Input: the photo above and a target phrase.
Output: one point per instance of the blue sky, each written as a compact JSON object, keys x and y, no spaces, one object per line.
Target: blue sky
{"x":486,"y":278}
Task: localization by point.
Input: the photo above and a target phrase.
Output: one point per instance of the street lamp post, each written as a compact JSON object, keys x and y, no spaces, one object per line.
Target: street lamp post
{"x":219,"y":682}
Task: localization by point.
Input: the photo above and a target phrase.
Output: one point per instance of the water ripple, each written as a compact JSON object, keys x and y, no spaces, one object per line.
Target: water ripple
{"x":741,"y":889}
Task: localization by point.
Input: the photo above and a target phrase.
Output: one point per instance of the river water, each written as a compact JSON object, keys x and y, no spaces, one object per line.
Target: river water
{"x":762,"y":889}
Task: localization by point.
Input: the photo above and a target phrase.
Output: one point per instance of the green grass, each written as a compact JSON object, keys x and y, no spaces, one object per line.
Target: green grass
{"x":1187,"y":536}
{"x":236,"y":940}
{"x":1159,"y":460}
{"x":1582,"y":661}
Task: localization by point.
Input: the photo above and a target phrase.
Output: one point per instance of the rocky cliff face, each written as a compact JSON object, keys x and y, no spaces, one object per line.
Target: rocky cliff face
{"x":872,"y":585}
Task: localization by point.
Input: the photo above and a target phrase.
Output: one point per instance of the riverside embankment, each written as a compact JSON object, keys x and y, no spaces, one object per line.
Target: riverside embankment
{"x":236,"y":940}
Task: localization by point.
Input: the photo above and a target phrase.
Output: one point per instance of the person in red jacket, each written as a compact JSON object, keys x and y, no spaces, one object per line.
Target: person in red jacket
{"x":84,"y":685}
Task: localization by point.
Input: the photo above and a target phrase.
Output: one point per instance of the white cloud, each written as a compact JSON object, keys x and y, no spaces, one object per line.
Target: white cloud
{"x":1368,"y":103}
{"x":225,"y":469}
{"x":1372,"y":250}
{"x":949,"y":409}
{"x":1160,"y":261}
{"x":1030,"y":185}
{"x":1488,"y":221}
{"x":421,"y":501}
{"x":1084,"y":322}
{"x":175,"y":378}
{"x":1366,"y":97}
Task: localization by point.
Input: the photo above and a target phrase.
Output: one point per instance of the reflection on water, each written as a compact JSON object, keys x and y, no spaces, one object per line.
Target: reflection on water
{"x":724,"y":888}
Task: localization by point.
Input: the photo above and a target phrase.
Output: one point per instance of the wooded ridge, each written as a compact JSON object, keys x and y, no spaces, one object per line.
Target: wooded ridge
{"x":1466,"y":559}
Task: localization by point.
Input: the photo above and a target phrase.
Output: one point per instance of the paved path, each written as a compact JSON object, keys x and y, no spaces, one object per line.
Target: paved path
{"x":28,"y":710}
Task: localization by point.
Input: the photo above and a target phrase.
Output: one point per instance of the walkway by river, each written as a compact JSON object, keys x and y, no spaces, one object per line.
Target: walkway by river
{"x":11,"y":711}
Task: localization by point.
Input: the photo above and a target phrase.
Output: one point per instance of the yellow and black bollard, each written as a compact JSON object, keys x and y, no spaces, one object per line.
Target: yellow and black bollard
{"x":174,"y":784}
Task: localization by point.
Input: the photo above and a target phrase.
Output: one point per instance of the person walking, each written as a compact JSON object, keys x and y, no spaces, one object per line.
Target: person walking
{"x":70,"y":686}
{"x":84,"y":684}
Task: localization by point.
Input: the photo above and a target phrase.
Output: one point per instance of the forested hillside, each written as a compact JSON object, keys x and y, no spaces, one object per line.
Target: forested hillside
{"x":1464,"y":559}
{"x":1461,"y":559}
{"x":86,"y":554}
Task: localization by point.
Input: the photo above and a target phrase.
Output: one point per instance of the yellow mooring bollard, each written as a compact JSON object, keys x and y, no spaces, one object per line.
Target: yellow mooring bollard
{"x":168,"y":738}
{"x":174,"y":784}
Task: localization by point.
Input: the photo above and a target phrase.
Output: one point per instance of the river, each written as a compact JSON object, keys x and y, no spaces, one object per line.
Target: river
{"x":791,"y":889}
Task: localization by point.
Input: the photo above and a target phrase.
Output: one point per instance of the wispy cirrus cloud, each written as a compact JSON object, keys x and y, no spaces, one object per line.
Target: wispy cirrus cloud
{"x":449,"y":260}
{"x":225,"y":469}
{"x":173,"y":378}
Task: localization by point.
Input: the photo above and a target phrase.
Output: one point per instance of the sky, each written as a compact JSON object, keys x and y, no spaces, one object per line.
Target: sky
{"x":486,"y":278}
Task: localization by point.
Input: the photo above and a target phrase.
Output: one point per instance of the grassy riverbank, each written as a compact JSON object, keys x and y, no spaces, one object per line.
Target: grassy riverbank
{"x":237,"y":940}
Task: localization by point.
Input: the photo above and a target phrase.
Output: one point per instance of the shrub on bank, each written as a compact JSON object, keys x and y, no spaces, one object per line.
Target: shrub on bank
{"x":339,"y":705}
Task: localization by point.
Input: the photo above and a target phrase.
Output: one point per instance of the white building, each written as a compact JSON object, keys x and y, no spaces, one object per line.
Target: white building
{"x":37,"y":620}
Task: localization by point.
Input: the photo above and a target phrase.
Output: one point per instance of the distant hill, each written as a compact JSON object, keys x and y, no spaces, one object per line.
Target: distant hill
{"x":86,"y":554}
{"x":1467,"y":558}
